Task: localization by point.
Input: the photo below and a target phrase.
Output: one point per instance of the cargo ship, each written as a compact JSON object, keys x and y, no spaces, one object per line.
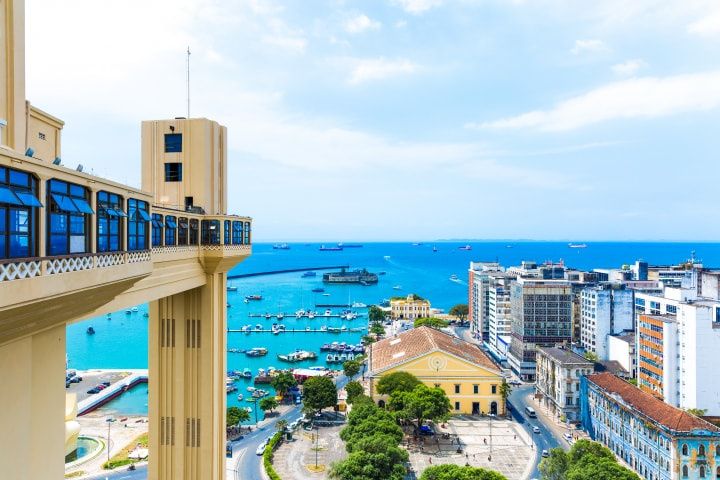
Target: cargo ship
{"x":362,"y":277}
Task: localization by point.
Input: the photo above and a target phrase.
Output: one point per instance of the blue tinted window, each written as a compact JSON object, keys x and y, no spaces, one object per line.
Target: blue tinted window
{"x":173,"y":142}
{"x":170,"y":230}
{"x":68,"y":218}
{"x":138,"y":217}
{"x":157,"y":232}
{"x":18,"y":178}
{"x":173,"y":172}
{"x":18,"y":213}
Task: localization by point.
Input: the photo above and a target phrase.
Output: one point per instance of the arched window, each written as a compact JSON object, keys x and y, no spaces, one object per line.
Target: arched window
{"x":684,"y":449}
{"x":702,"y":471}
{"x":701,"y":450}
{"x":685,"y":471}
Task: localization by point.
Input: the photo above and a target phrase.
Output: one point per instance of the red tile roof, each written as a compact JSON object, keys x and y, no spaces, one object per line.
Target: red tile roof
{"x":416,"y":342}
{"x":654,"y":408}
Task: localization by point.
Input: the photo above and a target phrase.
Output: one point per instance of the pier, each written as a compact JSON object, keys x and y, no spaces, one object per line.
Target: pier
{"x":287,"y":270}
{"x":293,"y":330}
{"x":274,"y":316}
{"x":115,"y":390}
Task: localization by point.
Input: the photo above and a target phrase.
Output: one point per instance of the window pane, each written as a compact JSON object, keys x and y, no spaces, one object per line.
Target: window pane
{"x":19,"y":220}
{"x":77,"y":244}
{"x":7,"y":196}
{"x":21,"y":179}
{"x":173,"y":172}
{"x":28,"y":199}
{"x":173,"y":142}
{"x":83,"y":206}
{"x":19,"y":246}
{"x":77,"y":191}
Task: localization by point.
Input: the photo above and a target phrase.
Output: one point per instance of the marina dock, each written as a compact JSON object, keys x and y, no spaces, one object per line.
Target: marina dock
{"x":274,"y":316}
{"x":114,"y":390}
{"x":292,"y":330}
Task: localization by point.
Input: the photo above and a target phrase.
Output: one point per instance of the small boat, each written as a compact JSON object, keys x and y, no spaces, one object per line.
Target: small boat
{"x":247,"y":374}
{"x":465,"y":247}
{"x":253,"y":297}
{"x":281,"y":246}
{"x":343,"y":328}
{"x":333,"y":330}
{"x":323,"y":328}
{"x":358,"y":305}
{"x":230,"y":388}
{"x":134,"y":309}
{"x":231,"y":288}
{"x":382,"y":273}
{"x":309,"y":274}
{"x":256,"y":352}
{"x":240,"y":397}
{"x":387,"y":257}
{"x":454,"y":278}
{"x":434,"y":248}
{"x":349,"y":245}
{"x":311,"y":315}
{"x":109,"y":315}
{"x":268,"y":316}
{"x":577,"y":245}
{"x":258,"y":328}
{"x":280,"y":316}
{"x":300,"y":313}
{"x":90,"y":331}
{"x":318,"y":290}
{"x":327,"y":313}
{"x":308,"y":329}
{"x":128,"y":311}
{"x":251,"y":389}
{"x":397,"y":287}
{"x":329,"y":358}
{"x":248,"y":409}
{"x":325,"y":294}
{"x":357,"y":329}
{"x":246,"y":328}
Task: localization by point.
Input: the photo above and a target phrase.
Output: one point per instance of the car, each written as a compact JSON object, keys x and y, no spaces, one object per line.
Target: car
{"x":426,"y":430}
{"x":101,"y":387}
{"x":515,"y":383}
{"x":294,"y":425}
{"x":93,"y":391}
{"x":545,"y":454}
{"x":261,"y":448}
{"x":67,"y":383}
{"x":567,"y":437}
{"x":536,"y":429}
{"x":107,"y":384}
{"x":76,"y":379}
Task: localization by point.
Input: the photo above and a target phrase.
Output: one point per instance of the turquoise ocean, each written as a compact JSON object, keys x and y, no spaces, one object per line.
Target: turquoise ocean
{"x":121,"y":340}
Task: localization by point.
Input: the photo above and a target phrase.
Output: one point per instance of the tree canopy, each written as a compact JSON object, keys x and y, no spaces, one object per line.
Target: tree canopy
{"x":376,"y":314}
{"x":422,"y":403}
{"x":384,"y":465}
{"x":353,"y":389}
{"x":319,"y":393}
{"x":282,"y":382}
{"x":268,"y":403}
{"x":451,"y":471}
{"x":236,"y":415}
{"x":351,"y":368}
{"x":377,"y":329}
{"x":397,"y":381}
{"x":585,"y":460}
{"x":460,"y":311}
{"x":431,"y":322}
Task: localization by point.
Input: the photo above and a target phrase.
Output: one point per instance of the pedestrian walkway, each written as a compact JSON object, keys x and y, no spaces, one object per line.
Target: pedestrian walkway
{"x":295,"y":459}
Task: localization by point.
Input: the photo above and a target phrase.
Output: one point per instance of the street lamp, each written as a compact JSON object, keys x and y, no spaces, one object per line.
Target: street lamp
{"x":109,"y":421}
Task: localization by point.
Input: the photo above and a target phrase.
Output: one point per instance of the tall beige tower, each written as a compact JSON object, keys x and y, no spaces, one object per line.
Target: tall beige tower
{"x":185,"y":164}
{"x":12,"y":73}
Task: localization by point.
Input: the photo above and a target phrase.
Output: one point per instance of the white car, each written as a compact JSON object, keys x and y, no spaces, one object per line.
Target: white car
{"x":545,"y":454}
{"x":567,"y":437}
{"x":261,"y":448}
{"x":536,"y":429}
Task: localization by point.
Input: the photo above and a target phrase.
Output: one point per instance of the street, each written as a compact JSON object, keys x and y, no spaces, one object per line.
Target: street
{"x":546,"y":439}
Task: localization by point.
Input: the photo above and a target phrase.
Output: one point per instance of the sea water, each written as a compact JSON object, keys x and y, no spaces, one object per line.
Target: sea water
{"x":121,"y":341}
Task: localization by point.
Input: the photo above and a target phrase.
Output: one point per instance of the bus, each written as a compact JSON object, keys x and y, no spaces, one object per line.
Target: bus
{"x":530,"y":412}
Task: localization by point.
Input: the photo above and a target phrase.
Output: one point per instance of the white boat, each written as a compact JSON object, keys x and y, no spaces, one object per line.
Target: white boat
{"x":251,"y":389}
{"x":240,"y":397}
{"x":325,"y":294}
{"x":466,"y":247}
{"x":351,"y":356}
{"x":330,"y":358}
{"x":258,"y":327}
{"x":323,"y":328}
{"x":134,"y":309}
{"x":343,"y":328}
{"x":387,"y":257}
{"x":343,"y":357}
{"x":397,"y":287}
{"x":358,"y":305}
{"x":128,"y":311}
{"x":311,"y":315}
{"x":280,"y":316}
{"x":307,"y":329}
{"x":248,"y":409}
{"x":231,"y":288}
{"x":577,"y":245}
{"x":300,"y":313}
{"x":328,"y":312}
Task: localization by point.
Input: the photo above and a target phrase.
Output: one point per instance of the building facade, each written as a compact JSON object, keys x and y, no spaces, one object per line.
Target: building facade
{"x":499,"y":316}
{"x":656,"y":440}
{"x":557,"y":381}
{"x":411,"y":307}
{"x":621,"y":348}
{"x":605,"y":310}
{"x":467,"y":375}
{"x":541,"y":312}
{"x":479,"y":296}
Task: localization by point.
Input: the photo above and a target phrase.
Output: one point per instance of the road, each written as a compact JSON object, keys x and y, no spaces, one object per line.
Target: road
{"x":140,"y":473}
{"x":546,"y":439}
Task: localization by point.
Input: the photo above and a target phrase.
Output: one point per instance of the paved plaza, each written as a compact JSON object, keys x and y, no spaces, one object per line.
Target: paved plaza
{"x":292,"y":458}
{"x":475,"y":437}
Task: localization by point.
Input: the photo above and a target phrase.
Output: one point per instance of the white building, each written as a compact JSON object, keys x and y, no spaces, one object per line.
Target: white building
{"x":499,"y":317}
{"x":621,"y":348}
{"x":558,"y":373}
{"x":478,"y":297}
{"x":605,"y":310}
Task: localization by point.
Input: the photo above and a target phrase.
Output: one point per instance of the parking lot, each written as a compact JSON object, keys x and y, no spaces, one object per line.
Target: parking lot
{"x":500,"y":445}
{"x":91,"y":379}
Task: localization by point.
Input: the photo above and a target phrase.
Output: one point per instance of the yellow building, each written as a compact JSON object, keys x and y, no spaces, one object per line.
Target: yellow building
{"x":469,"y":378}
{"x":410,"y":308}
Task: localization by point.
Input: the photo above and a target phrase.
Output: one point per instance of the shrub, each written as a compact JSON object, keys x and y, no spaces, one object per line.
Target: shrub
{"x":268,"y":456}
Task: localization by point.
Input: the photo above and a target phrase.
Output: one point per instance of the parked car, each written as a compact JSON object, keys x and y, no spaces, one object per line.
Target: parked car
{"x":76,"y":379}
{"x":567,"y":437}
{"x":536,"y":429}
{"x":107,"y":384}
{"x":261,"y":448}
{"x":545,"y":453}
{"x":101,"y":387}
{"x":93,"y":391}
{"x":515,"y":383}
{"x":426,"y":430}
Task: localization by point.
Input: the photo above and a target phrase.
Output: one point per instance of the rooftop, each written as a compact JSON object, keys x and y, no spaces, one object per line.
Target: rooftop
{"x":563,"y":355}
{"x":628,"y":337}
{"x":653,"y":408}
{"x":416,"y":342}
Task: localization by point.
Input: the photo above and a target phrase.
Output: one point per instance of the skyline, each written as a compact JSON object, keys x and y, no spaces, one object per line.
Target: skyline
{"x":408,"y":119}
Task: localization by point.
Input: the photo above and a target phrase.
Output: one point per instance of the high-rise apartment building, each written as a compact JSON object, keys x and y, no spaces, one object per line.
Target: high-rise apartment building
{"x":605,"y":310}
{"x":499,"y":317}
{"x":478,"y":297}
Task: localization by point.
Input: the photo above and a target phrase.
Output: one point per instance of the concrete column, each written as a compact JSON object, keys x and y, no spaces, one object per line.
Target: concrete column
{"x":32,"y":406}
{"x":187,"y":383}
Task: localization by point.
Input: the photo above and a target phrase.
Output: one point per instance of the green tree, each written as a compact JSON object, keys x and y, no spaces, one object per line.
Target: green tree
{"x":353,"y":389}
{"x":319,"y":393}
{"x":582,"y":448}
{"x":282,"y":382}
{"x":592,"y":356}
{"x":373,"y":426}
{"x":281,"y":425}
{"x":586,"y":460}
{"x":377,"y":329}
{"x":431,"y":322}
{"x":698,"y":412}
{"x":632,"y":381}
{"x":235,"y":415}
{"x":397,"y":382}
{"x":376,"y":314}
{"x":555,"y":466}
{"x":268,"y":403}
{"x":422,"y":403}
{"x":460,"y":311}
{"x":362,"y":465}
{"x":599,"y":468}
{"x":368,"y":339}
{"x":505,"y":391}
{"x":451,"y":471}
{"x":351,"y":368}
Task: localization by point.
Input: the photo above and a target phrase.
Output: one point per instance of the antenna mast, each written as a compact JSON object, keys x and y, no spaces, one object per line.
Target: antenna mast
{"x":188,"y":82}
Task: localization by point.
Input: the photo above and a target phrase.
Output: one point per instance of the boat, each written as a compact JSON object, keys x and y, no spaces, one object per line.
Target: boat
{"x":417,"y":244}
{"x":281,"y":246}
{"x":357,"y":329}
{"x":258,"y":328}
{"x":134,"y":309}
{"x":333,"y":330}
{"x":325,"y":294}
{"x":577,"y":245}
{"x":323,"y":328}
{"x":343,"y":328}
{"x":386,"y":257}
{"x":327,"y":313}
{"x":256,"y":352}
{"x":309,"y":274}
{"x":235,"y":350}
{"x":128,"y":311}
{"x":350,"y":276}
{"x":454,"y":278}
{"x":280,"y":316}
{"x":300,"y":313}
{"x":240,"y":397}
{"x":434,"y":248}
{"x":465,"y":247}
{"x":109,"y":315}
{"x":330,"y":358}
{"x":311,"y":315}
{"x":248,"y":409}
{"x":231,"y":288}
{"x":349,"y":245}
{"x":251,"y":389}
{"x":246,"y":328}
{"x":318,"y":290}
{"x":397,"y":287}
{"x":358,"y":305}
{"x":268,"y":316}
{"x":308,"y":329}
{"x":253,"y":297}
{"x":247,"y":373}
{"x":230,"y":388}
{"x":90,"y":331}
{"x":298,"y":356}
{"x":323,"y":248}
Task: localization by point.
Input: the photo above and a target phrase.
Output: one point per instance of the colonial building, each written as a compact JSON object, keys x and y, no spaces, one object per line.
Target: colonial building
{"x":411,"y":307}
{"x":656,"y":440}
{"x":467,"y":375}
{"x":558,"y":381}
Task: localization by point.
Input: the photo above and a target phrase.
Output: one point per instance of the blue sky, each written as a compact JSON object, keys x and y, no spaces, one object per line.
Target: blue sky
{"x":409,"y":119}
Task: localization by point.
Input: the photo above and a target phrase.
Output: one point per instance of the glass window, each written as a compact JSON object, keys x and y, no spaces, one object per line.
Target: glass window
{"x":194,"y":225}
{"x":227,"y":238}
{"x":18,"y":213}
{"x":247,"y":233}
{"x":210,"y":232}
{"x":157,"y":230}
{"x":457,"y":388}
{"x":170,"y":230}
{"x":137,"y":226}
{"x":237,"y":233}
{"x":68,"y":218}
{"x":173,"y":142}
{"x":173,"y":172}
{"x":109,"y":222}
{"x":182,"y":231}
{"x":457,"y":405}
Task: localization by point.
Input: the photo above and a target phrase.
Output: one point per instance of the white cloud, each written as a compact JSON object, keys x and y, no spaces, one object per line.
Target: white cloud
{"x":369,"y":69}
{"x":589,"y":46}
{"x":628,"y":68}
{"x":361,"y":23}
{"x":644,"y":97}
{"x":401,"y":24}
{"x":417,"y":7}
{"x":709,"y":25}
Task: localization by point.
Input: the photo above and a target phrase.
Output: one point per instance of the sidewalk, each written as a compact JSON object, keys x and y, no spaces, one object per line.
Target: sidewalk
{"x":554,"y":424}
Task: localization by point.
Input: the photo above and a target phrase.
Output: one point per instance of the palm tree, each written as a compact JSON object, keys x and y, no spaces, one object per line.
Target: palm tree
{"x":281,"y":425}
{"x":505,"y":390}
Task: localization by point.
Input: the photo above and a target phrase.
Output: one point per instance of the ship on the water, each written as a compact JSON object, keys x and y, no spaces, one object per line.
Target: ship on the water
{"x":349,"y":245}
{"x":323,"y":248}
{"x":281,"y":246}
{"x":362,"y":277}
